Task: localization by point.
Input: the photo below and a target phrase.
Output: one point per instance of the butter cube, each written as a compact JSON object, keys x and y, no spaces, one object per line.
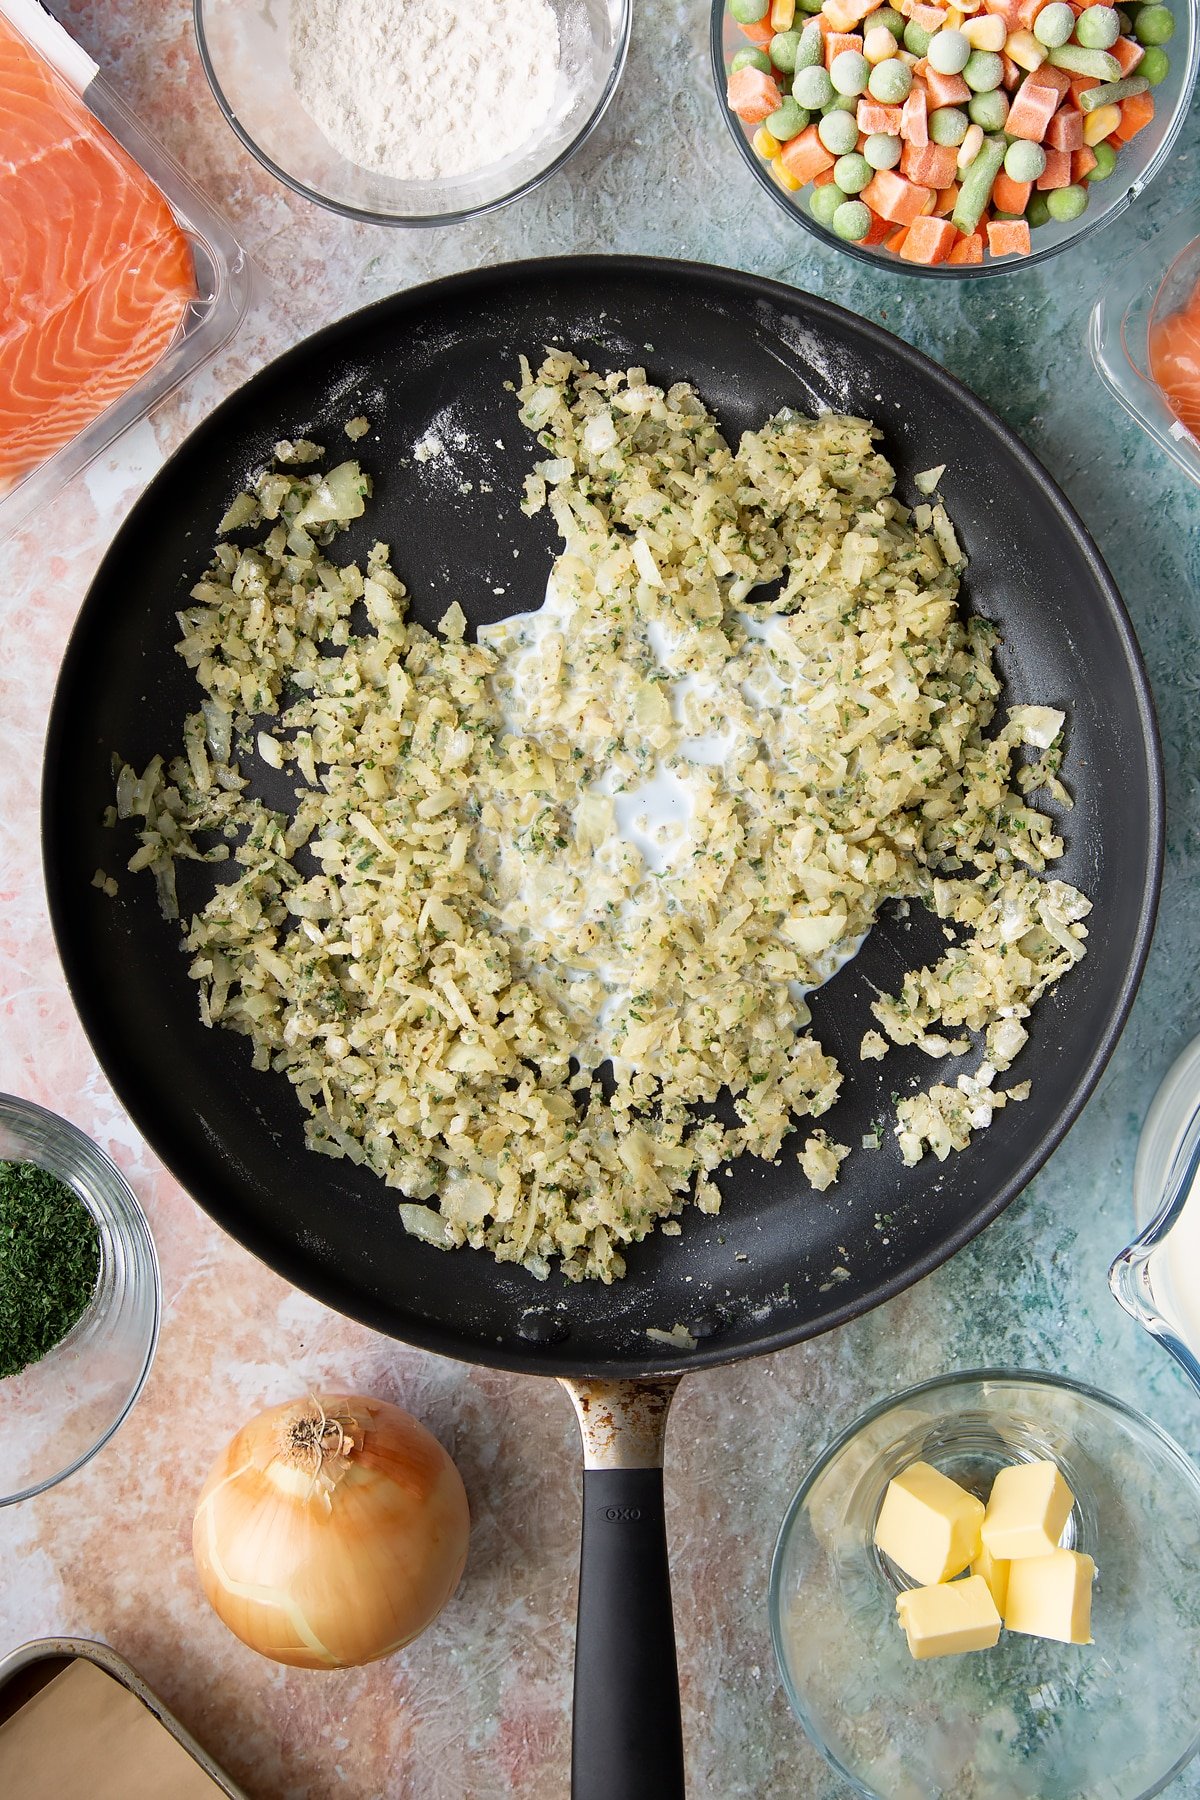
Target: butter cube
{"x":1029,"y":1505}
{"x":947,"y":1619}
{"x":1051,"y":1596}
{"x":995,"y":1573}
{"x":928,"y":1525}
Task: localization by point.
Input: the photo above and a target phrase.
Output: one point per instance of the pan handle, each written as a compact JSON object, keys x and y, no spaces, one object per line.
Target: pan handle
{"x":628,"y":1739}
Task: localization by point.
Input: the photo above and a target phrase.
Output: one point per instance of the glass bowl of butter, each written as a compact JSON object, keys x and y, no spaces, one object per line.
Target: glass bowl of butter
{"x":910,"y":1703}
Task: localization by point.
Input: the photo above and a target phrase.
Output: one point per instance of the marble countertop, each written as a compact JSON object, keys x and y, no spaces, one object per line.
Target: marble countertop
{"x":480,"y":1706}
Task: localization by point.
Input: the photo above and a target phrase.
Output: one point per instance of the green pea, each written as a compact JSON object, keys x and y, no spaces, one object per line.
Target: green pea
{"x":947,"y":125}
{"x":983,"y":71}
{"x":1022,"y":161}
{"x":882,"y":150}
{"x":788,"y":121}
{"x":838,"y":132}
{"x":841,"y":103}
{"x":784,"y":46}
{"x":890,"y":82}
{"x":810,"y":51}
{"x":749,"y":12}
{"x":890,"y":20}
{"x":823,"y":202}
{"x":809,"y":6}
{"x":1003,"y":216}
{"x":812,"y":88}
{"x":1067,"y":203}
{"x":1124,"y":22}
{"x":1097,"y":28}
{"x":1154,"y":25}
{"x":916,"y":39}
{"x":1155,"y":65}
{"x":750,"y":59}
{"x":852,"y":221}
{"x":1038,"y":210}
{"x":1106,"y":162}
{"x":849,"y":72}
{"x":1054,"y":25}
{"x":988,"y":111}
{"x":852,"y":172}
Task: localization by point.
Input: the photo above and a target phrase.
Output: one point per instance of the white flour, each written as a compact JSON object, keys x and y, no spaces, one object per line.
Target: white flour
{"x":424,"y":89}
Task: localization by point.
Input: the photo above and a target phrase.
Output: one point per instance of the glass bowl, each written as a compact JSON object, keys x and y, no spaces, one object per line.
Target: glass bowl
{"x":244,"y":48}
{"x":1115,"y":1719}
{"x":1154,"y":281}
{"x":58,"y":1412}
{"x":1137,"y":164}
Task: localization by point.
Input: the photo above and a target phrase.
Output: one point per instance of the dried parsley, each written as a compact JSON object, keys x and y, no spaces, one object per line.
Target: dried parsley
{"x":49,"y":1262}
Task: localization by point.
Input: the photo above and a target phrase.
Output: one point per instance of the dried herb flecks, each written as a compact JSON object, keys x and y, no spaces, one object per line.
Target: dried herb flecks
{"x":49,"y":1262}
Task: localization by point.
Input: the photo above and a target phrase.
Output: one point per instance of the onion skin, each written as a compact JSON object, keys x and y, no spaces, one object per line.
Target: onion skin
{"x":324,"y":1559}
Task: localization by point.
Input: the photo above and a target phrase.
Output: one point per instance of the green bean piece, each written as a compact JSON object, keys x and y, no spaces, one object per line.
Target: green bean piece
{"x":977,"y":180}
{"x":1112,"y":91}
{"x":1077,"y":61}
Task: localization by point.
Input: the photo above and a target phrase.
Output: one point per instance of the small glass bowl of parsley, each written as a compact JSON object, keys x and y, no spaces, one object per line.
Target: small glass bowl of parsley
{"x":79,"y":1299}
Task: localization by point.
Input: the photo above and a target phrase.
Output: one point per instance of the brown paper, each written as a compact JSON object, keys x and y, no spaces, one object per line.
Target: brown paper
{"x":86,"y":1737}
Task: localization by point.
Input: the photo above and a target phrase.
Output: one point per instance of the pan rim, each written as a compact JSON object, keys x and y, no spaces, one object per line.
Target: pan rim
{"x":289,"y":1260}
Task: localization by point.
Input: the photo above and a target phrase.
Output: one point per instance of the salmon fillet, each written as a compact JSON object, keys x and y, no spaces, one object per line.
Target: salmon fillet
{"x":1175,"y":361}
{"x":95,"y":273}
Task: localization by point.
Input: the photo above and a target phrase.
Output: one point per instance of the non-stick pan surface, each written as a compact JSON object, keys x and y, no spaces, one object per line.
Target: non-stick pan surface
{"x":779,"y":1263}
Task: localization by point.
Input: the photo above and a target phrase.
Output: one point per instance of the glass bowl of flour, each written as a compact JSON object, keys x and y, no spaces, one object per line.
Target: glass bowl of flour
{"x":413,"y":112}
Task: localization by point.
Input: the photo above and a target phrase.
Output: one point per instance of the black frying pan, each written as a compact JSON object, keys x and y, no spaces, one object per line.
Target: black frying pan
{"x":778,"y":1264}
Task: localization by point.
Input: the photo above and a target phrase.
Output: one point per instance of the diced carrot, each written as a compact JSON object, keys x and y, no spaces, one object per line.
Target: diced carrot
{"x":837,"y":41}
{"x":872,"y":116}
{"x":760,"y":34}
{"x":1028,"y":11}
{"x":1083,"y":161}
{"x":894,"y":198}
{"x":1008,"y":10}
{"x":753,"y":96}
{"x":1030,"y":114}
{"x":822,"y":178}
{"x":823,"y":24}
{"x":945,"y":90}
{"x":805,"y":156}
{"x":929,"y":241}
{"x":929,"y":18}
{"x":1080,"y":85}
{"x":1011,"y":73}
{"x":1127,"y":53}
{"x":844,"y":15}
{"x":1010,"y":196}
{"x":914,"y":117}
{"x":881,"y":230}
{"x":1057,"y":173}
{"x":1008,"y":237}
{"x":1065,"y":130}
{"x":945,"y":201}
{"x":933,"y":165}
{"x":967,"y":249}
{"x":1136,"y":113}
{"x":862,"y":138}
{"x":1050,"y":77}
